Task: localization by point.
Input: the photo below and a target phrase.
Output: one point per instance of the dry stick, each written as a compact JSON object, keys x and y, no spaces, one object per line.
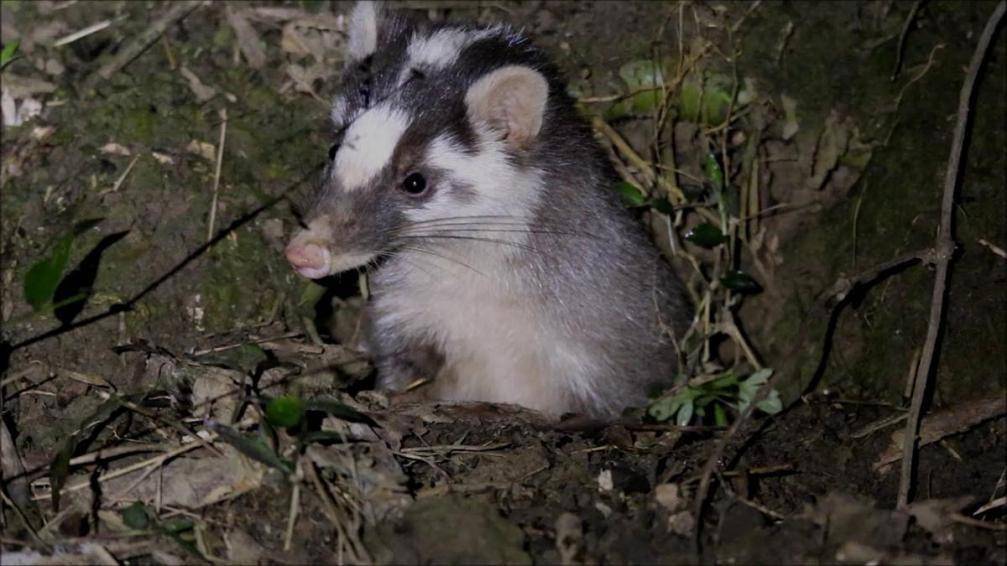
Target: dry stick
{"x":993,"y":248}
{"x":900,"y":48}
{"x":216,"y":174}
{"x":646,"y":171}
{"x":24,"y":518}
{"x":122,"y":178}
{"x":80,"y":34}
{"x":140,"y":43}
{"x":993,"y":504}
{"x":944,"y":248}
{"x":294,"y":510}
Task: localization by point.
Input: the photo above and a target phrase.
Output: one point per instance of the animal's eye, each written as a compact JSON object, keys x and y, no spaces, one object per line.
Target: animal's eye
{"x":333,"y":150}
{"x":414,"y":184}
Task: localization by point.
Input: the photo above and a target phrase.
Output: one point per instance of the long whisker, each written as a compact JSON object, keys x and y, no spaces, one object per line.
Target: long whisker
{"x":487,"y":221}
{"x":476,"y":239}
{"x":452,"y":230}
{"x":398,"y":256}
{"x":471,"y":217}
{"x":397,"y":253}
{"x":459,"y":225}
{"x":428,"y":252}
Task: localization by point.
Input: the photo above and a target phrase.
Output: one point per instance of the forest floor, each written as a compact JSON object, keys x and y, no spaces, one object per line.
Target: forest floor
{"x":173,"y":393}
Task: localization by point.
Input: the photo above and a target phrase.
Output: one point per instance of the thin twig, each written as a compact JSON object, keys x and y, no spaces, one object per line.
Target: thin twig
{"x":994,"y":504}
{"x":24,"y":518}
{"x":646,"y":171}
{"x":959,"y":518}
{"x":132,"y":49}
{"x":944,"y":247}
{"x":216,"y":349}
{"x":993,"y":248}
{"x":122,"y":178}
{"x":216,"y":174}
{"x":901,"y":47}
{"x":80,"y":34}
{"x":295,"y":508}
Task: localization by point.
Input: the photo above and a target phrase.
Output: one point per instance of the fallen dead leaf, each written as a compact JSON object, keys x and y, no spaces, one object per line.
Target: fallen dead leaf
{"x":213,"y":393}
{"x":942,"y":424}
{"x":569,"y":535}
{"x":242,"y":548}
{"x":320,"y":35}
{"x":935,"y":516}
{"x":832,"y":145}
{"x":163,"y":158}
{"x":40,"y":133}
{"x":200,"y":90}
{"x":112,"y":148}
{"x":206,"y":150}
{"x":84,"y":553}
{"x":249,"y":42}
{"x":670,"y":497}
{"x":88,"y":378}
{"x":21,"y":87}
{"x":191,"y":482}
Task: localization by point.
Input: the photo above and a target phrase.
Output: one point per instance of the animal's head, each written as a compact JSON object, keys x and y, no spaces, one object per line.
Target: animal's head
{"x":432,"y":126}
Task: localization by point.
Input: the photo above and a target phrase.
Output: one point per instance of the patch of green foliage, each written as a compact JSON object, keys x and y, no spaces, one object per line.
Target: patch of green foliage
{"x":712,"y":398}
{"x":8,"y":53}
{"x":42,"y":279}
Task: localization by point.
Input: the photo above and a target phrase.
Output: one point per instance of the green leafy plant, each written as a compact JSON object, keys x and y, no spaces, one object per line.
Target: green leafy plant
{"x":42,"y":278}
{"x":246,"y":358}
{"x":706,"y":100}
{"x":632,"y":196}
{"x":140,"y":517}
{"x":254,"y":447}
{"x":339,"y":410}
{"x":737,"y":280}
{"x":136,"y":516}
{"x":711,"y":398}
{"x":9,"y":53}
{"x":706,"y":235}
{"x":286,"y":411}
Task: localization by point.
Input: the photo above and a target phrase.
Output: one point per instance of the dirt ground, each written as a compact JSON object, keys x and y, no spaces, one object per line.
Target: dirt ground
{"x":155,"y":344}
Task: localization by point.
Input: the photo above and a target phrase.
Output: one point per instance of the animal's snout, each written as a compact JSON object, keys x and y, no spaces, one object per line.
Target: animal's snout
{"x":309,"y":259}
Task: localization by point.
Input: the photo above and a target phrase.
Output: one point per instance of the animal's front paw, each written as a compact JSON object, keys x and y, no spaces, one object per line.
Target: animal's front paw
{"x":408,"y":368}
{"x":395,"y":381}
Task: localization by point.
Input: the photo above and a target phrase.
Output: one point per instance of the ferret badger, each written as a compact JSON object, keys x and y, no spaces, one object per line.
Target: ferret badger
{"x":503,"y":266}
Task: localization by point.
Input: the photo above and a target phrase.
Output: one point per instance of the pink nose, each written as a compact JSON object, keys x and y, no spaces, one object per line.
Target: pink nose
{"x":310,"y":260}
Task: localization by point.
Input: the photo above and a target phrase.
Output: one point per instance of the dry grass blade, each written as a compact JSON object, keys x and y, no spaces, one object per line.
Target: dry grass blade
{"x":211,"y":225}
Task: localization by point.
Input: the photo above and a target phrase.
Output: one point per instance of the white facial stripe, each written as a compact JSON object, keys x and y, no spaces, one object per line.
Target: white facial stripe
{"x":363,"y":30}
{"x":368,"y":145}
{"x":501,"y":189}
{"x":438,"y":50}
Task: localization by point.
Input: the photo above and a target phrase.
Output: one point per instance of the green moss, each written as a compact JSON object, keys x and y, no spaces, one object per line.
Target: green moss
{"x":899,"y":213}
{"x":240,"y":283}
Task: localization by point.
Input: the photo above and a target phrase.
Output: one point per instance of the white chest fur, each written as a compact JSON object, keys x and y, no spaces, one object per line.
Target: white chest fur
{"x":497,"y":341}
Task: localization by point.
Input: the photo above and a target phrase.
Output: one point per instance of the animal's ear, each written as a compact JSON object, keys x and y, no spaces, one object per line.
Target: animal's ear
{"x":511,"y":100}
{"x":363,"y":27}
